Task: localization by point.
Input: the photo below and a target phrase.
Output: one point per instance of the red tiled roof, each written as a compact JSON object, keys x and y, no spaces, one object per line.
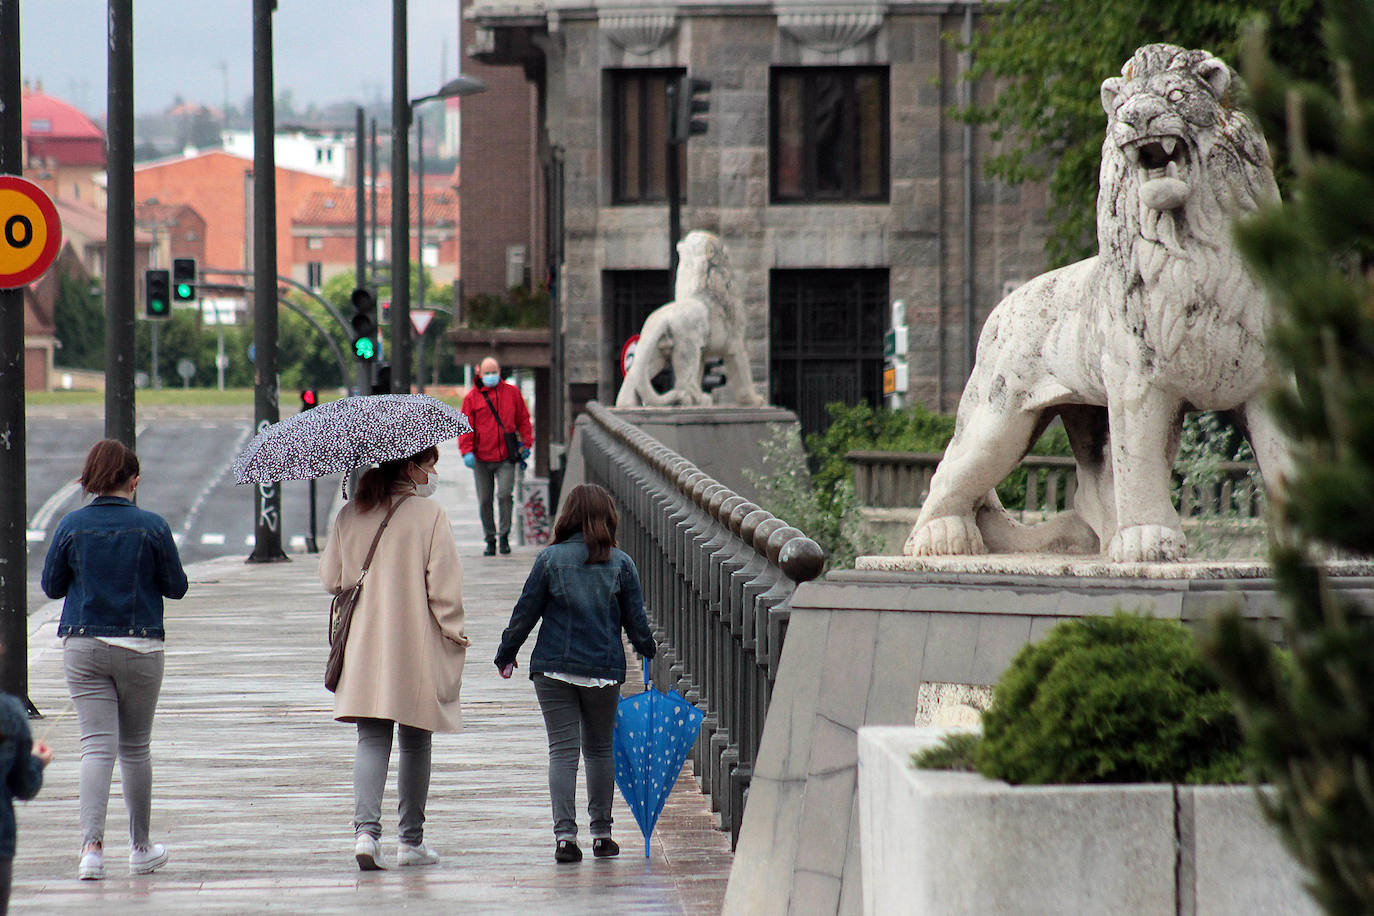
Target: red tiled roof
{"x":45,"y":116}
{"x":335,"y":207}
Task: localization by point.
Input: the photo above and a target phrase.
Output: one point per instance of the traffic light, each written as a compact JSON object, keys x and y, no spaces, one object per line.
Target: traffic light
{"x":364,"y":325}
{"x":183,"y":279}
{"x":382,"y":384}
{"x":712,"y":375}
{"x":157,"y":294}
{"x":691,"y":102}
{"x":309,"y":398}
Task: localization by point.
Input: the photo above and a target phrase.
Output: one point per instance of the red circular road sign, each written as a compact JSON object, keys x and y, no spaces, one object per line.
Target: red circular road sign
{"x":30,"y":232}
{"x":627,"y":354}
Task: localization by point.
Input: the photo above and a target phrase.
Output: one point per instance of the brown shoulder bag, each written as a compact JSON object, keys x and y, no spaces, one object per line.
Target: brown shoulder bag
{"x":341,"y":608}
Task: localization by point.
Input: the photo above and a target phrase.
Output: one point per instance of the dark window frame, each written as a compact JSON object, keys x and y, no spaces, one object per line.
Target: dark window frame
{"x":810,"y":193}
{"x":644,"y":194}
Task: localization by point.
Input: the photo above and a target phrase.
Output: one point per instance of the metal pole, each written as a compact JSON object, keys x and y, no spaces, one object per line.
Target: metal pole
{"x":673,"y":179}
{"x":363,"y":371}
{"x":119,"y":226}
{"x":311,"y":543}
{"x":156,"y":376}
{"x":14,"y":641}
{"x":400,"y":203}
{"x":372,"y":249}
{"x":420,"y":247}
{"x":267,"y":499}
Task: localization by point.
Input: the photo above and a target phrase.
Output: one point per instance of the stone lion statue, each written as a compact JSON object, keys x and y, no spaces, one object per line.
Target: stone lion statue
{"x":1165,"y":319}
{"x":705,"y":320}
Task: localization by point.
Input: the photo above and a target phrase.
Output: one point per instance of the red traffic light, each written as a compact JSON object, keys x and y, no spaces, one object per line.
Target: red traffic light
{"x":309,"y":398}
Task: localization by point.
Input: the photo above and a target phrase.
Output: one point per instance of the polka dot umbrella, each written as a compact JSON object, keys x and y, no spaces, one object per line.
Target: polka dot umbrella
{"x":349,"y":433}
{"x":654,"y":731}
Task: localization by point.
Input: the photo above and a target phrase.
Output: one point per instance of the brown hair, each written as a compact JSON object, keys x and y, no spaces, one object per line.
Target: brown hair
{"x":378,"y":483}
{"x":110,"y":466}
{"x":588,"y":510}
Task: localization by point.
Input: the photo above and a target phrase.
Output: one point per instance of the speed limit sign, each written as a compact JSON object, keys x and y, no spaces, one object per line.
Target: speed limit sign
{"x":30,"y":232}
{"x":627,"y":354}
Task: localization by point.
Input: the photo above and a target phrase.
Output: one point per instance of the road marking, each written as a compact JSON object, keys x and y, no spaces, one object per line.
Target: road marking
{"x":35,"y":534}
{"x":212,"y":539}
{"x":298,"y":542}
{"x":250,"y":541}
{"x":199,"y":501}
{"x":43,"y":517}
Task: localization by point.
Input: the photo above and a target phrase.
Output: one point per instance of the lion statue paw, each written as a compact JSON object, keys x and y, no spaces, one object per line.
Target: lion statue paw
{"x":953,"y":534}
{"x":1147,"y":544}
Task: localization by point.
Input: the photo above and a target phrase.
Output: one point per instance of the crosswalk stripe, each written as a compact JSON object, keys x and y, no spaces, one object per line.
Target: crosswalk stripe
{"x":34,"y":534}
{"x":212,"y":539}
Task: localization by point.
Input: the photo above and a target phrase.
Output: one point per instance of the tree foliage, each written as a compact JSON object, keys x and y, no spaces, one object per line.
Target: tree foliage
{"x":1048,"y":61}
{"x":1315,"y":252}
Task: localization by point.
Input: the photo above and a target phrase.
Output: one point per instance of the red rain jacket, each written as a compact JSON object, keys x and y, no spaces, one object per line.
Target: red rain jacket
{"x":486,"y":438}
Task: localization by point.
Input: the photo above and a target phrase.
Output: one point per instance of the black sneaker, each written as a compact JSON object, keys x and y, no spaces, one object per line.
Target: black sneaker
{"x":567,"y":851}
{"x":491,"y":549}
{"x":605,"y":847}
{"x":505,"y":545}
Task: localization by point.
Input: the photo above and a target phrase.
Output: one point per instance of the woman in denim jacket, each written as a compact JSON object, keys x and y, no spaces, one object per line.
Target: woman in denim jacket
{"x":114,"y":563}
{"x":21,"y":775}
{"x":585,"y":591}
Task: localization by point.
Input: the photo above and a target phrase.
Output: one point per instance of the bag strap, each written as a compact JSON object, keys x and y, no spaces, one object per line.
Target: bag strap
{"x":378,"y":536}
{"x":500,"y":427}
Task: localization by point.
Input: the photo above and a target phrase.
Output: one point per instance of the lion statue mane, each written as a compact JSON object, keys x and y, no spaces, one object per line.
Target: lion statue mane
{"x":1164,"y":320}
{"x":704,"y":321}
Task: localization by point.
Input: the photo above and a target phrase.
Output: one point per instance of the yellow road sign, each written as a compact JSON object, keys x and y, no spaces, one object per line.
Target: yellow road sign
{"x":30,"y":232}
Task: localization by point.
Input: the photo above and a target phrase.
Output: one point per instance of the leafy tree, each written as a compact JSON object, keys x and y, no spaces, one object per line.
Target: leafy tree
{"x":79,"y":317}
{"x":521,"y":307}
{"x":1048,"y":61}
{"x":1315,"y":734}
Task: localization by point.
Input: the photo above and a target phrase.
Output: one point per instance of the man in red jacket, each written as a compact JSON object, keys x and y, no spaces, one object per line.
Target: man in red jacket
{"x":501,"y":436}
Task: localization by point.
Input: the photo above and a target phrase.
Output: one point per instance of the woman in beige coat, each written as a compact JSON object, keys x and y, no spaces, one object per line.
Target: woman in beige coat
{"x":403,"y":662}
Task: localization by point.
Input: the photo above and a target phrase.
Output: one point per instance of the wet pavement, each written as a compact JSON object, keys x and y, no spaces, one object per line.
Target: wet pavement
{"x":252,"y":780}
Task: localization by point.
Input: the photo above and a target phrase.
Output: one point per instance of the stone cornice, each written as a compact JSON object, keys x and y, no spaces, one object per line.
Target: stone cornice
{"x":639,"y":31}
{"x":830,"y":27}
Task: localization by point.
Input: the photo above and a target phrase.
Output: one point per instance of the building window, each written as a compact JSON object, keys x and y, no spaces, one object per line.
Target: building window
{"x":314,"y":243}
{"x":826,"y":340}
{"x":630,"y":296}
{"x":314,"y":274}
{"x":639,"y":136}
{"x":829,"y":134}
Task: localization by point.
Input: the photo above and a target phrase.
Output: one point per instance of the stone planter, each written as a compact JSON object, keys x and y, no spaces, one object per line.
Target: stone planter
{"x":952,"y":843}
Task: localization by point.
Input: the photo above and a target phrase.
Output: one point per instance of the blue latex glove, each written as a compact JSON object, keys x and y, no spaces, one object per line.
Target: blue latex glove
{"x":470,"y":459}
{"x":524,"y":453}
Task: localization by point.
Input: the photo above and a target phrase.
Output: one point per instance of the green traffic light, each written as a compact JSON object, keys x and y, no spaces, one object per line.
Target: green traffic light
{"x":183,"y":291}
{"x":364,"y":348}
{"x":158,"y":306}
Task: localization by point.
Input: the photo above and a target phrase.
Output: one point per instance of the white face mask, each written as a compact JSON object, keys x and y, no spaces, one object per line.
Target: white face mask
{"x":428,"y":487}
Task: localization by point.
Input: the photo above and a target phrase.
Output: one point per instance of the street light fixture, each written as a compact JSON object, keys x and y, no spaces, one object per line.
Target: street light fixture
{"x":400,"y":193}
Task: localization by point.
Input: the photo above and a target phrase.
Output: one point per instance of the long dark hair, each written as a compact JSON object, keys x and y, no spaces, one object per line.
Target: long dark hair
{"x":589,"y":511}
{"x":378,"y":483}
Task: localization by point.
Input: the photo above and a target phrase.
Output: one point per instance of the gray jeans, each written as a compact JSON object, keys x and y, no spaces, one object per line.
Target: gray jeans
{"x":369,"y":778}
{"x":500,"y":477}
{"x":579,"y":719}
{"x":115,"y":693}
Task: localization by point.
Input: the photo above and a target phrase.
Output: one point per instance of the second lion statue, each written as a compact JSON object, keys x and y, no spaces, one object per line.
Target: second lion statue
{"x":1165,"y":319}
{"x":705,"y":320}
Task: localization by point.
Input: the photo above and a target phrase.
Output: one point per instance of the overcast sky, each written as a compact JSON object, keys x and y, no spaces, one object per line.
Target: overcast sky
{"x":202,"y":50}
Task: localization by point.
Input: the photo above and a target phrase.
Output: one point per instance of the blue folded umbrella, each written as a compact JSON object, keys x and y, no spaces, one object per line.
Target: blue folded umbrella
{"x":654,"y":731}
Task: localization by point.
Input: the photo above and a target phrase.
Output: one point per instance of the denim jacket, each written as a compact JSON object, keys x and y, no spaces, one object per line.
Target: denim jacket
{"x":114,"y":563}
{"x":21,"y":773}
{"x":583,"y":607}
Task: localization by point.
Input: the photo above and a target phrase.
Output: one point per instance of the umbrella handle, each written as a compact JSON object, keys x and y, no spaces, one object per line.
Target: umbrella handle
{"x":647,"y":680}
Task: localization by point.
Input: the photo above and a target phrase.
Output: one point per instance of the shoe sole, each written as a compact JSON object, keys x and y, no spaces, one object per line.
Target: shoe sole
{"x":417,"y":864}
{"x":147,"y":868}
{"x":366,"y":862}
{"x":91,"y":874}
{"x":606,"y":855}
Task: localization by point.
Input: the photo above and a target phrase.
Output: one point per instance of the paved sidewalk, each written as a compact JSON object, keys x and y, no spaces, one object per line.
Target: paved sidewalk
{"x":252,"y":783}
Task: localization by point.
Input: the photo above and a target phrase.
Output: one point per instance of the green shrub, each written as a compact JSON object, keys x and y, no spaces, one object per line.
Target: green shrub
{"x":1111,"y":699}
{"x":956,"y":751}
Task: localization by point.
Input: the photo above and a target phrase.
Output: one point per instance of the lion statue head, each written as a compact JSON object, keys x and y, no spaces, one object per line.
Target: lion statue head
{"x":703,"y":270}
{"x":1180,"y":161}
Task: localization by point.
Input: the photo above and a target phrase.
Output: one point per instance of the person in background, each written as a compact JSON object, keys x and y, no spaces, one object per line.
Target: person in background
{"x":496,"y":410}
{"x":114,"y":563}
{"x":403,"y":662}
{"x":582,"y":591}
{"x":21,"y":776}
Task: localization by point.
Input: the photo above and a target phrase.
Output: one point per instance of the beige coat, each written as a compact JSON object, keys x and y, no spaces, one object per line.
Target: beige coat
{"x":405,"y":653}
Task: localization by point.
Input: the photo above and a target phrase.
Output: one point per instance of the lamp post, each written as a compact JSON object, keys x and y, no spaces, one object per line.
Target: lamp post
{"x":403,"y":110}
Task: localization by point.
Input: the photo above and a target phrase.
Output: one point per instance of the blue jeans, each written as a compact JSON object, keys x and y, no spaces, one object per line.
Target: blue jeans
{"x":579,"y":721}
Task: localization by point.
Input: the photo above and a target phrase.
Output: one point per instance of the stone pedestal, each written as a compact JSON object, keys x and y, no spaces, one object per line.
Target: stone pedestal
{"x":861,"y":643}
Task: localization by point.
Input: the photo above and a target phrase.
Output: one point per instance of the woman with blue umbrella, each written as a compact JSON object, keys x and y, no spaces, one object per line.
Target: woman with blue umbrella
{"x":582,"y":590}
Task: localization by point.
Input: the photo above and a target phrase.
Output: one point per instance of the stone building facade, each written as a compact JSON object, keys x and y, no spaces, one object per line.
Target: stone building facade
{"x":832,"y":168}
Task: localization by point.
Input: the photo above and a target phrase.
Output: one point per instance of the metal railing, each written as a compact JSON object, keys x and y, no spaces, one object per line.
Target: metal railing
{"x":902,"y":479}
{"x":717,"y":572}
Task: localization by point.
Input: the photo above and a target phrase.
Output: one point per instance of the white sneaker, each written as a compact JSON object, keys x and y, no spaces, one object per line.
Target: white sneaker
{"x":417,"y":855}
{"x":92,"y":867}
{"x":368,"y":852}
{"x":147,"y":860}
